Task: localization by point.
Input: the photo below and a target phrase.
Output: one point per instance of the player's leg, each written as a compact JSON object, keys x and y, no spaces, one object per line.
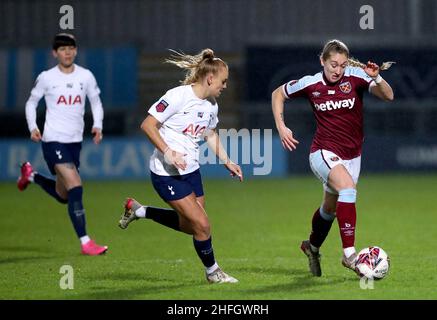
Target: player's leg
{"x":321,"y":224}
{"x":167,"y":217}
{"x":29,"y":175}
{"x":185,"y":195}
{"x":322,"y":220}
{"x":68,"y":180}
{"x":323,"y":216}
{"x":169,"y":188}
{"x":341,"y":180}
{"x":194,"y":220}
{"x":201,"y":201}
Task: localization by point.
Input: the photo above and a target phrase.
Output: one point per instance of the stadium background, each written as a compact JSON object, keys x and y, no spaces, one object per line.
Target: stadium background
{"x":259,"y":224}
{"x":265,"y":43}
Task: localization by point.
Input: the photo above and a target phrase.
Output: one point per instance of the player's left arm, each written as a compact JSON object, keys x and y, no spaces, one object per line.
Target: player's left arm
{"x":379,"y":87}
{"x":213,"y":140}
{"x":93,"y":94}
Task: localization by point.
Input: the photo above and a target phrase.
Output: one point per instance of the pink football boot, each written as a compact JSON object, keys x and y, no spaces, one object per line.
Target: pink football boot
{"x":24,"y":179}
{"x":92,"y":249}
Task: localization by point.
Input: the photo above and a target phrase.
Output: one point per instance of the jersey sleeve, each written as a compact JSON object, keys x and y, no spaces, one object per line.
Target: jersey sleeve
{"x":364,"y":81}
{"x":39,"y":88}
{"x":295,"y":88}
{"x":213,"y":121}
{"x":168,"y":105}
{"x":36,"y":94}
{"x":92,"y":88}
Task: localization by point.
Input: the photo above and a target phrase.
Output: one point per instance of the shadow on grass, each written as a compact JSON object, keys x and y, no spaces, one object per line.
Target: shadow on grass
{"x":23,"y":248}
{"x":145,"y":286}
{"x":300,"y":280}
{"x":23,"y":259}
{"x":17,"y":254}
{"x":131,"y":293}
{"x":271,"y":270}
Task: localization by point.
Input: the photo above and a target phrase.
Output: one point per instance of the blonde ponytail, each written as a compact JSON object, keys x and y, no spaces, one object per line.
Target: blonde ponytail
{"x":197,"y":66}
{"x":355,"y":63}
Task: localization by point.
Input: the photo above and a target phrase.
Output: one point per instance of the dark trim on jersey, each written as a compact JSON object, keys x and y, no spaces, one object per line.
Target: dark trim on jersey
{"x":321,"y":152}
{"x":285,"y":89}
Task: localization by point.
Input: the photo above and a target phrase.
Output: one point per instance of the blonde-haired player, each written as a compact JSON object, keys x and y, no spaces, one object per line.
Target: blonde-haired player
{"x":336,"y":96}
{"x":175,"y":125}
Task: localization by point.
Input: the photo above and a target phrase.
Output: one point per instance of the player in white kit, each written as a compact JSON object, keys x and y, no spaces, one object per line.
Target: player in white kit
{"x":175,"y":125}
{"x":65,"y":88}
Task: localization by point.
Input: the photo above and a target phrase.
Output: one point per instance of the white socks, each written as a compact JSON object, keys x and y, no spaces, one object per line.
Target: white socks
{"x":314,"y":249}
{"x":212,"y":268}
{"x":84,"y":239}
{"x":349,"y":251}
{"x":141,"y":212}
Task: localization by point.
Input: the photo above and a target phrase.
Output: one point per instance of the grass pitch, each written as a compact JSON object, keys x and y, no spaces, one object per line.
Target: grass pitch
{"x":257,"y":228}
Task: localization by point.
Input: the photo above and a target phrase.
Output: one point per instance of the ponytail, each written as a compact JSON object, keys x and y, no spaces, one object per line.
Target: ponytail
{"x":197,"y":66}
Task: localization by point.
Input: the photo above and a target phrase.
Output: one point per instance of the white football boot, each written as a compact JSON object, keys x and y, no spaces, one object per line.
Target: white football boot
{"x":218,"y":276}
{"x":130,"y":206}
{"x":350,"y":262}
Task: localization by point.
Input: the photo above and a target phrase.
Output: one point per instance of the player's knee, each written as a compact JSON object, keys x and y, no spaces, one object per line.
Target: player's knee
{"x":202,"y":227}
{"x":329,"y":208}
{"x":343,"y":184}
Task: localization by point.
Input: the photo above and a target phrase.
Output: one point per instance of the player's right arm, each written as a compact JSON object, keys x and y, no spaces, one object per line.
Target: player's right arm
{"x":36,"y":94}
{"x":159,"y":112}
{"x":286,"y":135}
{"x":151,"y":126}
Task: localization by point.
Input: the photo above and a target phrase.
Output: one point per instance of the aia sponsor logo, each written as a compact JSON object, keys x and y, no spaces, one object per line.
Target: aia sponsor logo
{"x":345,"y":87}
{"x":161,"y":106}
{"x":69,"y":100}
{"x":194,"y":130}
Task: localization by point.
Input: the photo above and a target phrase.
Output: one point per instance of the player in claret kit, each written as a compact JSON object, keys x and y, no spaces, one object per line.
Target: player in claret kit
{"x":336,"y":96}
{"x":175,"y":124}
{"x":65,"y":88}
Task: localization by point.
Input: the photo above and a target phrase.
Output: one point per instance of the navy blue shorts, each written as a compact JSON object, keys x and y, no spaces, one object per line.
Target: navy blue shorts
{"x":172,"y":188}
{"x":56,"y":152}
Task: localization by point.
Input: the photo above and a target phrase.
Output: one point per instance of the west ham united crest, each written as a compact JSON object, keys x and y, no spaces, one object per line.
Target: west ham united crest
{"x":345,"y":87}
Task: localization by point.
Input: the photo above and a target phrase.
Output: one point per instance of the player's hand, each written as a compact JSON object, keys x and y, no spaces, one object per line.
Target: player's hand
{"x":234,"y":169}
{"x":372,"y":69}
{"x":175,"y":158}
{"x":287,"y":139}
{"x":35,"y":135}
{"x":98,"y":135}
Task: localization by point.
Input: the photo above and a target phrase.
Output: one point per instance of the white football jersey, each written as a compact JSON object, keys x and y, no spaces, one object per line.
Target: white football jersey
{"x":185,"y":119}
{"x":65,"y":95}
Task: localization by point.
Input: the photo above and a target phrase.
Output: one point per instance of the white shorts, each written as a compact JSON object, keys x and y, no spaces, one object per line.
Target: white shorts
{"x":322,"y":161}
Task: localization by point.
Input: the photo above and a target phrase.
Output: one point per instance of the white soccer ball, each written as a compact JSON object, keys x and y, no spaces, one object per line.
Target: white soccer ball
{"x":373,"y":263}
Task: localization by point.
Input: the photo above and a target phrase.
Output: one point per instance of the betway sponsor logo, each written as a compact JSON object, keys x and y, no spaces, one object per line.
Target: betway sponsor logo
{"x":334,"y":105}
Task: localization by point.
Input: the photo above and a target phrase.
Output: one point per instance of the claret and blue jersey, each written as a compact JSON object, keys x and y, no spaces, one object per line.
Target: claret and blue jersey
{"x":338,"y":109}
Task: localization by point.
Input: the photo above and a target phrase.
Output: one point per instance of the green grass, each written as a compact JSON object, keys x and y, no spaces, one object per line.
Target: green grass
{"x":257,"y":227}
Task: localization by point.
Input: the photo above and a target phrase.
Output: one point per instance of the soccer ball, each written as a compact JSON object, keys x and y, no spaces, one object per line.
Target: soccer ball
{"x":373,"y":263}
